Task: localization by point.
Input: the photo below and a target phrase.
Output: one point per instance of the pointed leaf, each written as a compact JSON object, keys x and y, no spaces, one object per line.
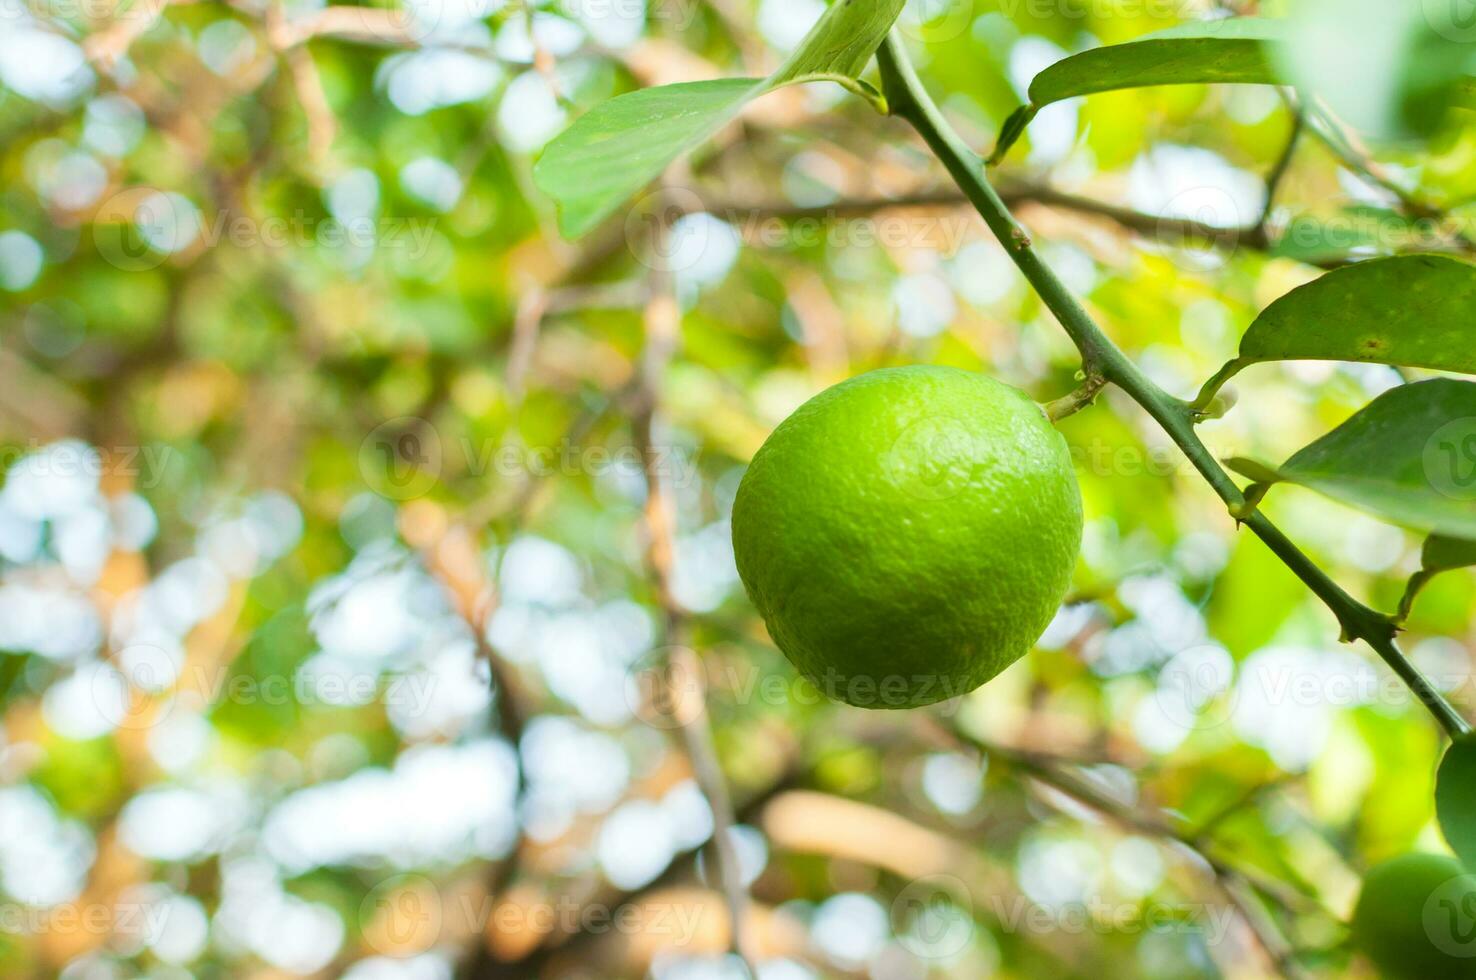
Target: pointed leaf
{"x":1414,"y":310}
{"x":1232,"y":50}
{"x":842,"y":42}
{"x":1455,"y":798}
{"x":1255,"y":50}
{"x":1409,"y":457}
{"x":1315,"y":241}
{"x":1254,"y":470}
{"x":620,"y":146}
{"x":1229,"y":50}
{"x":1409,"y":310}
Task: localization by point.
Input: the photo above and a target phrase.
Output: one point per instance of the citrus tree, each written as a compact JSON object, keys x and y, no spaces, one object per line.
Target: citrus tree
{"x":472,"y":472}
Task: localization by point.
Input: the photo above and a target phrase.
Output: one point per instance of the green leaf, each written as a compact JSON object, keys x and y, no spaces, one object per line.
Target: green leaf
{"x":1357,"y":231}
{"x":1254,"y":470}
{"x":620,"y":146}
{"x":1408,"y":457}
{"x":1440,"y":554}
{"x":842,"y":42}
{"x":1352,"y":232}
{"x":1410,"y":310}
{"x":1313,"y":241}
{"x":1230,"y":50}
{"x":1413,"y":310}
{"x":1260,"y":51}
{"x":1455,"y":798}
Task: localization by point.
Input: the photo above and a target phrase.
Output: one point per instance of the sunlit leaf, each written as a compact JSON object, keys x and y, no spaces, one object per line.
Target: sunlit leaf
{"x":1231,"y":50}
{"x":1455,"y":798}
{"x":620,"y":146}
{"x":1326,"y":48}
{"x":1410,"y":310}
{"x":1408,"y":457}
{"x":842,"y":42}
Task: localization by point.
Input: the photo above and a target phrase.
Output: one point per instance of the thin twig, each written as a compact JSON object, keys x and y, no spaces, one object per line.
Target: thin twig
{"x":662,"y":322}
{"x":1206,"y":830}
{"x":322,"y":124}
{"x":1013,"y":192}
{"x":1239,"y":887}
{"x":110,"y":45}
{"x":1323,"y":125}
{"x":1259,"y":232}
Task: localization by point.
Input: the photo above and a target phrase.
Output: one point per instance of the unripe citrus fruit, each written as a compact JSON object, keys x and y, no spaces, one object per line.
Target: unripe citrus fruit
{"x":1416,"y":918}
{"x":908,"y":534}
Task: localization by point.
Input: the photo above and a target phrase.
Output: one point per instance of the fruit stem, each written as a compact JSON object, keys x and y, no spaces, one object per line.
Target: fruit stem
{"x":1084,"y":395}
{"x":909,"y":100}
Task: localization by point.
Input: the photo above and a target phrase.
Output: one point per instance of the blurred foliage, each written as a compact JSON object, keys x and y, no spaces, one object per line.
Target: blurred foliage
{"x":325,"y":475}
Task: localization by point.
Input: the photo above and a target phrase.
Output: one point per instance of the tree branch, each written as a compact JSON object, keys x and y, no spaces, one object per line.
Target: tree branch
{"x":1240,"y":888}
{"x":910,"y":101}
{"x":662,"y":327}
{"x":1258,"y":233}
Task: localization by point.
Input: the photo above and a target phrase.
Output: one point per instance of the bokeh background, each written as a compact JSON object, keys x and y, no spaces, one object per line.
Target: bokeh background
{"x":367,"y":606}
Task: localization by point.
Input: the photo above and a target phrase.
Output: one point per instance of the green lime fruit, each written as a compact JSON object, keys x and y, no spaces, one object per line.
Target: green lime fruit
{"x":1416,"y":918}
{"x":908,"y":534}
{"x":1455,"y":791}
